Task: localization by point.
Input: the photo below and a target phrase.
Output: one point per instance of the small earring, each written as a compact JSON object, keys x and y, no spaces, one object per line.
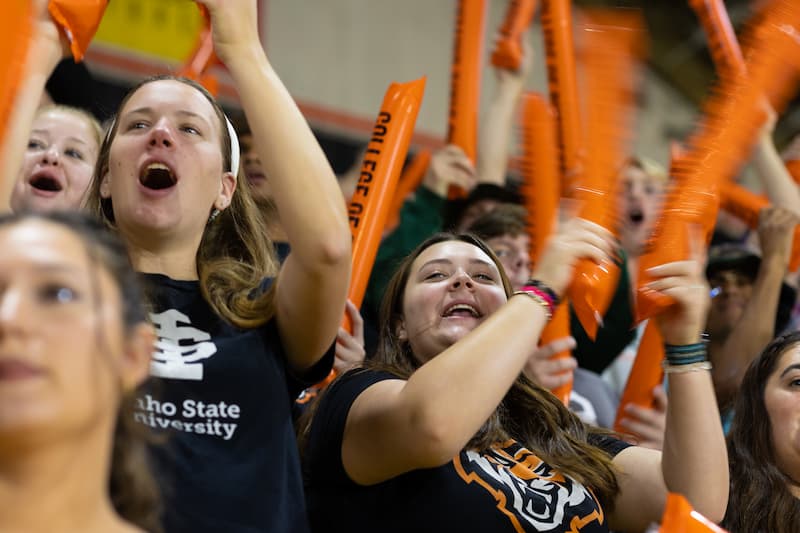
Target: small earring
{"x":214,"y":214}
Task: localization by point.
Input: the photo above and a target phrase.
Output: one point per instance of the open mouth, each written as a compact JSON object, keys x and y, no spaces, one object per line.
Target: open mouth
{"x":157,"y":176}
{"x":461,"y":310}
{"x":636,"y":216}
{"x":255,"y":177}
{"x":45,"y":183}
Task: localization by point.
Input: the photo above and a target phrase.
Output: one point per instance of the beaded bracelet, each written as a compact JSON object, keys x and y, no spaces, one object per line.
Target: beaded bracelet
{"x":539,"y":298}
{"x":686,"y":354}
{"x":549,"y":294}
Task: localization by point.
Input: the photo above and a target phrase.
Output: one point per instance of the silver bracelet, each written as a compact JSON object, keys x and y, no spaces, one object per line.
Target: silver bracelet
{"x":691,"y":367}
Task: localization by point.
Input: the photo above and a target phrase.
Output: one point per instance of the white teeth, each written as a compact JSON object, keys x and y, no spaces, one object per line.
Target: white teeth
{"x":462,"y":307}
{"x":158,"y":166}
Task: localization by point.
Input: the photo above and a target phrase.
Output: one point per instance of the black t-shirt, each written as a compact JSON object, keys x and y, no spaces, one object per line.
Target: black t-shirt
{"x":506,"y":488}
{"x":223,"y":394}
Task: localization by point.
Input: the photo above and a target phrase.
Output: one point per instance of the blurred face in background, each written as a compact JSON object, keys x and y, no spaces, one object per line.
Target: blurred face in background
{"x":640,"y":201}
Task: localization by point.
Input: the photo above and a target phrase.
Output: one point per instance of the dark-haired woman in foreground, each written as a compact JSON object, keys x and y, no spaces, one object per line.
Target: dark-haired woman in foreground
{"x":74,"y":345}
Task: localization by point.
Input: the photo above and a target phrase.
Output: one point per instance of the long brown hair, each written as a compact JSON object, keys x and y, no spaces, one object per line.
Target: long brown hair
{"x":528,"y":413}
{"x":235,"y":254}
{"x":132,"y":488}
{"x":760,"y":500}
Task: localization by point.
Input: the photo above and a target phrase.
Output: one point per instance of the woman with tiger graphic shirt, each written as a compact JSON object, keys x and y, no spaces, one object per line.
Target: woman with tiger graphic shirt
{"x":442,"y":432}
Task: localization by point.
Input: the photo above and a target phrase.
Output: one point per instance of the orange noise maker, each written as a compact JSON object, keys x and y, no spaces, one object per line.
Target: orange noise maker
{"x":562,"y":83}
{"x":645,"y":374}
{"x":771,"y":49}
{"x":383,"y":160}
{"x":380,"y":170}
{"x":409,"y":181}
{"x":540,"y":190}
{"x":612,"y":42}
{"x":793,"y":166}
{"x":369,"y":207}
{"x":78,"y":20}
{"x":733,"y":115}
{"x":679,"y":517}
{"x":722,"y":43}
{"x":465,"y":81}
{"x":202,"y":58}
{"x":507,"y":51}
{"x":746,"y":205}
{"x":16,"y":27}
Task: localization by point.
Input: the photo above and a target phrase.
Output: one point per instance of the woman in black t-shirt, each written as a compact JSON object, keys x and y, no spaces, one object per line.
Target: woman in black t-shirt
{"x":238,"y":337}
{"x":442,"y":432}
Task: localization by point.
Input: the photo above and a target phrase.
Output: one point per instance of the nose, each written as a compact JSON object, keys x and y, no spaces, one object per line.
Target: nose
{"x":51,"y":156}
{"x":12,"y":311}
{"x":251,"y":158}
{"x":461,"y":278}
{"x":161,"y":135}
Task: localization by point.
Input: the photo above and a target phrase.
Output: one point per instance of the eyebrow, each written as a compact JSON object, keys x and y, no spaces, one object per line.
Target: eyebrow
{"x":449,"y":262}
{"x":182,"y":112}
{"x":795,"y":366}
{"x":46,"y":133}
{"x":54,"y":268}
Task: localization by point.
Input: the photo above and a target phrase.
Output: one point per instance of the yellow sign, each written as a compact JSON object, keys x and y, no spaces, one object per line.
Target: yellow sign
{"x":165,"y":29}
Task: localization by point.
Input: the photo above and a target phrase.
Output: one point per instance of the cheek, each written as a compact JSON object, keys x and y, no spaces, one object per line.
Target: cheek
{"x":28,"y":162}
{"x":79,"y":174}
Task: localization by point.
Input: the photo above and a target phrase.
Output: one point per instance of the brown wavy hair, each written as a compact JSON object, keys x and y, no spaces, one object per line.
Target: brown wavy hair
{"x":528,"y":413}
{"x":760,"y":500}
{"x":132,"y":488}
{"x":235,"y":255}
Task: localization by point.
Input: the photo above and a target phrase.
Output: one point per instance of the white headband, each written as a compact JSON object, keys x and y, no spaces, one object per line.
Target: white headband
{"x":234,"y":146}
{"x":231,"y":133}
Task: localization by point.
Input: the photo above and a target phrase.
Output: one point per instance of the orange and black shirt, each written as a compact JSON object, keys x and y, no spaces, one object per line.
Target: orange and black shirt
{"x":505,"y":488}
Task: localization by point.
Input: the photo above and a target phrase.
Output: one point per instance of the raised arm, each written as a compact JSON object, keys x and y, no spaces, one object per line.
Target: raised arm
{"x":498,"y":120}
{"x":396,"y":426}
{"x":312,"y":285}
{"x":45,"y":51}
{"x":755,"y":328}
{"x":694,"y":461}
{"x":771,"y":169}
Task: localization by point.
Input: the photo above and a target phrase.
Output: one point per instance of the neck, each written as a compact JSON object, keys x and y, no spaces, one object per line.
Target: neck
{"x":633,"y":269}
{"x":272,"y":219}
{"x":176,"y":258}
{"x":61,"y":487}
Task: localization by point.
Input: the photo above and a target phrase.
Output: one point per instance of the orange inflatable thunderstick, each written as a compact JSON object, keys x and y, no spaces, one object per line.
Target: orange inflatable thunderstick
{"x":540,"y":189}
{"x":679,"y":517}
{"x":507,"y":51}
{"x":562,"y":80}
{"x":465,"y":81}
{"x":645,"y":374}
{"x":612,"y":43}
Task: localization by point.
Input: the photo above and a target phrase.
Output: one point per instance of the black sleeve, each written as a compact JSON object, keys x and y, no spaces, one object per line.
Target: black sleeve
{"x":313,"y":375}
{"x":611,"y":445}
{"x":324,"y":448}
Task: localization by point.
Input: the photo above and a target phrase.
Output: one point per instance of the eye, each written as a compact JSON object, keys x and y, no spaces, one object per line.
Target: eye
{"x":137,"y":125}
{"x":434,"y":276}
{"x":483,"y":276}
{"x":57,"y":293}
{"x":190,"y":129}
{"x":34,"y":144}
{"x":502,"y":252}
{"x":73,"y":153}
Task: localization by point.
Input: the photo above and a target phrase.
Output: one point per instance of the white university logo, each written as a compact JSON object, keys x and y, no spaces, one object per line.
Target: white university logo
{"x":180,"y":347}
